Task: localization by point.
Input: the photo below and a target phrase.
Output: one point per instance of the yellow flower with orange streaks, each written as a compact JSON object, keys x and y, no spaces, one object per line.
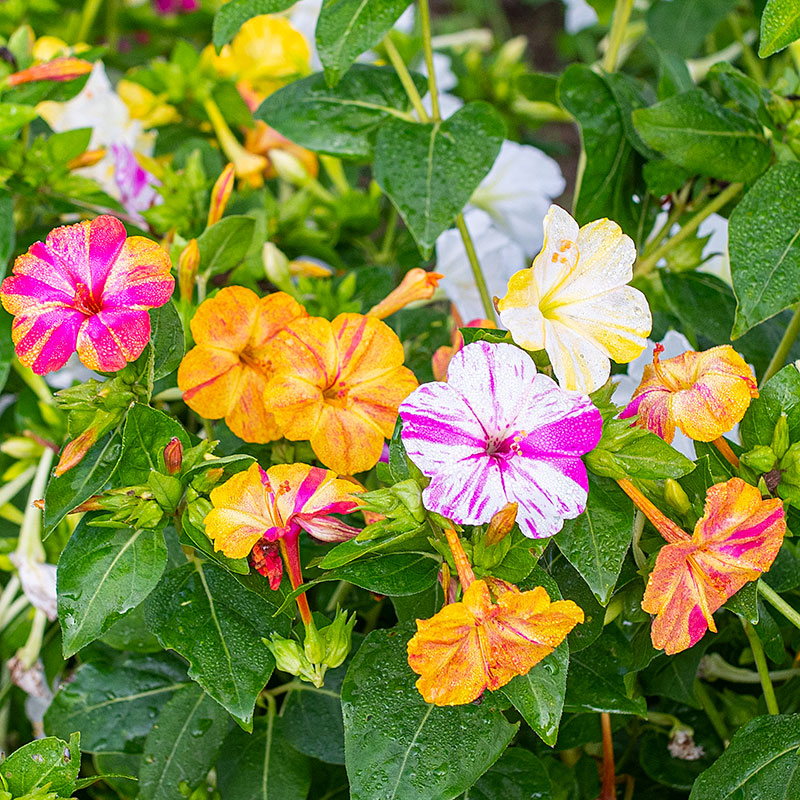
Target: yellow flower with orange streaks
{"x":477,"y":644}
{"x":339,"y":384}
{"x":262,"y":140}
{"x":704,"y":394}
{"x":226,"y":373}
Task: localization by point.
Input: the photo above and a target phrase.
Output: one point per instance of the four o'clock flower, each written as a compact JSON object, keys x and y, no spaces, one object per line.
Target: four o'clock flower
{"x":496,"y":433}
{"x":87,"y":287}
{"x":574,"y":303}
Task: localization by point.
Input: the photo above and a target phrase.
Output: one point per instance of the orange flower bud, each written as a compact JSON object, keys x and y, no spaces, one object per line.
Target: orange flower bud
{"x":74,"y":451}
{"x":416,"y":285}
{"x":502,"y":523}
{"x":309,"y":269}
{"x":262,"y":139}
{"x":173,"y":455}
{"x":87,"y":159}
{"x":59,"y":69}
{"x":220,"y":195}
{"x":188,"y":263}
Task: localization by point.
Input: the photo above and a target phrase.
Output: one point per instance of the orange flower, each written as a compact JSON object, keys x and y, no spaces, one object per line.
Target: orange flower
{"x":476,"y":644}
{"x":704,"y":394}
{"x":418,"y":284}
{"x":59,"y":69}
{"x":262,"y":139}
{"x":226,"y":373}
{"x":338,"y":384}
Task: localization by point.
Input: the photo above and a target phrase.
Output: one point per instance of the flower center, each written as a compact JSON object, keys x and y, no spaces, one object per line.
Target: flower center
{"x":505,"y":446}
{"x":336,"y":394}
{"x":566,"y":256}
{"x":84,"y":302}
{"x":667,"y":380}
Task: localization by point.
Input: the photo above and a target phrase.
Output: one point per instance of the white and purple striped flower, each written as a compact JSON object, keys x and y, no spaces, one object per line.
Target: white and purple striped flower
{"x":496,"y":433}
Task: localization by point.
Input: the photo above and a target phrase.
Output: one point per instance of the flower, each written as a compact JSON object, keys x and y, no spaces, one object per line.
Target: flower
{"x":87,"y":287}
{"x":578,"y":15}
{"x":496,"y":433}
{"x":339,"y":384}
{"x":574,"y":303}
{"x":220,"y":195}
{"x":518,"y":191}
{"x":476,"y":644}
{"x":263,"y":140}
{"x":226,"y":373}
{"x":59,"y":69}
{"x":444,"y":354}
{"x":149,"y":108}
{"x":417,"y":284}
{"x":499,"y":256}
{"x":256,"y":509}
{"x":164,"y":7}
{"x":705,"y":394}
{"x":734,"y":542}
{"x":136,"y":185}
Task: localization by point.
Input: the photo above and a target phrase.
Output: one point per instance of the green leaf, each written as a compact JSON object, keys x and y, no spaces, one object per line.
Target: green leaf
{"x":14,"y":116}
{"x":147,"y":432}
{"x":102,"y":574}
{"x":765,"y":247}
{"x":393,"y":574}
{"x":674,"y":676}
{"x":681,"y":26}
{"x":780,"y":26}
{"x":183,"y":744}
{"x":573,"y":586}
{"x":397,"y":745}
{"x":47,"y":762}
{"x":233,"y":15}
{"x":649,"y":457}
{"x":762,"y":761}
{"x":208,"y":617}
{"x":62,"y":147}
{"x":167,"y":339}
{"x":745,"y":602}
{"x":69,"y":490}
{"x":779,"y":395}
{"x":596,"y":542}
{"x":346,"y":28}
{"x":263,"y":765}
{"x":342,"y":121}
{"x":225,"y":244}
{"x":697,"y":133}
{"x":7,"y":230}
{"x":517,"y":775}
{"x":114,"y":705}
{"x":429,"y":171}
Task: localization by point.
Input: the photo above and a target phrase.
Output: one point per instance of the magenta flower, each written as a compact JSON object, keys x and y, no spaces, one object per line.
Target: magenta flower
{"x":87,"y":288}
{"x":496,"y":433}
{"x":137,"y":186}
{"x":164,"y":7}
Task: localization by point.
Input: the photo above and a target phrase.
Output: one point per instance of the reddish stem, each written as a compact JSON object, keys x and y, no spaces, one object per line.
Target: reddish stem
{"x":464,"y":569}
{"x":666,"y":527}
{"x":608,"y":790}
{"x":722,"y":445}
{"x":290,"y":549}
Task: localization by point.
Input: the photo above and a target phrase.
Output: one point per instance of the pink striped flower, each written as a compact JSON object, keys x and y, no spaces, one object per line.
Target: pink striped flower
{"x":496,"y":433}
{"x":86,"y":288}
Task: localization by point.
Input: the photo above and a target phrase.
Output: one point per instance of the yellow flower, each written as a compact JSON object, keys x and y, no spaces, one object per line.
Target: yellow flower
{"x":574,"y":303}
{"x":149,"y":108}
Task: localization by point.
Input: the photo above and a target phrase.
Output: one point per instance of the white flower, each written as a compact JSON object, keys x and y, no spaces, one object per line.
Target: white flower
{"x":518,"y":191}
{"x":578,"y":15}
{"x":38,"y":583}
{"x":499,"y":256}
{"x":675,"y":344}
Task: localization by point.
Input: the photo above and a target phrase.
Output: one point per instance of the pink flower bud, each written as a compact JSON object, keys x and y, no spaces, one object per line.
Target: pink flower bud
{"x":173,"y":455}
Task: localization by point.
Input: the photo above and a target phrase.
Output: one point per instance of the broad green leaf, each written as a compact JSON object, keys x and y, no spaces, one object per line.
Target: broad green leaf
{"x":392,"y":574}
{"x":779,"y":395}
{"x":765,"y":247}
{"x":429,"y":171}
{"x":574,"y":587}
{"x":63,"y":146}
{"x":681,"y":26}
{"x":204,"y":614}
{"x":341,"y":121}
{"x":69,"y":490}
{"x":130,"y":634}
{"x":694,"y":131}
{"x":183,"y":744}
{"x":7,"y":230}
{"x":147,"y":432}
{"x":673,"y":75}
{"x":47,"y":762}
{"x":745,"y":602}
{"x":629,"y":95}
{"x":346,"y":28}
{"x":231,"y":16}
{"x":167,"y":339}
{"x":674,"y":676}
{"x":225,"y":244}
{"x":596,"y":542}
{"x":644,"y":455}
{"x":114,"y":705}
{"x":263,"y":765}
{"x":780,"y":26}
{"x":102,"y":574}
{"x":397,"y":745}
{"x":741,"y":88}
{"x":14,"y":116}
{"x":677,"y":773}
{"x":517,"y":775}
{"x":762,"y":761}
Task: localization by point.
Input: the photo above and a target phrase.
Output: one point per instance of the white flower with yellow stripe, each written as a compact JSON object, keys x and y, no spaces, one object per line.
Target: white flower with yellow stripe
{"x":574,"y":301}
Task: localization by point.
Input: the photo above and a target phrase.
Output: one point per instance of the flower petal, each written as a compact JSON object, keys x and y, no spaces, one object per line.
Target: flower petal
{"x":378,"y":399}
{"x":45,"y":338}
{"x":227,"y":319}
{"x":209,"y":379}
{"x":295,"y":404}
{"x":247,"y":416}
{"x":23,"y":293}
{"x":577,"y":363}
{"x":367,"y":347}
{"x":306,"y":349}
{"x":345,"y":441}
{"x":139,"y":277}
{"x":110,"y":339}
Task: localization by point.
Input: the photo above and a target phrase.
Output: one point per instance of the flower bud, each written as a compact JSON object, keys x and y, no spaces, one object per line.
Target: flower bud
{"x":276,"y":265}
{"x":410,"y":495}
{"x":416,"y":285}
{"x":289,"y":167}
{"x":220,"y":195}
{"x":87,"y":159}
{"x":173,"y":456}
{"x":501,"y":524}
{"x":167,"y":490}
{"x":305,"y":268}
{"x":761,"y":458}
{"x":676,"y":496}
{"x":206,"y":481}
{"x":601,"y":462}
{"x":149,"y":515}
{"x":21,"y":447}
{"x":288,"y":655}
{"x":780,"y":436}
{"x":247,"y":166}
{"x":314,"y":644}
{"x":337,"y":638}
{"x":74,"y":451}
{"x":188,"y":264}
{"x":59,"y":69}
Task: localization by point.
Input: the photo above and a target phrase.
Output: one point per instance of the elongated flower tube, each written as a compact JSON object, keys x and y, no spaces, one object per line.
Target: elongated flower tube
{"x":418,"y":284}
{"x":220,"y":194}
{"x":59,"y":69}
{"x":574,"y":303}
{"x":247,"y":166}
{"x":496,"y":433}
{"x":86,"y":288}
{"x":734,"y":542}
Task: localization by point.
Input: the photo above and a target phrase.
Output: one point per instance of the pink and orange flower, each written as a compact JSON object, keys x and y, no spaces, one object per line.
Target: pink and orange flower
{"x":704,"y":394}
{"x":227,"y":372}
{"x":86,"y":288}
{"x":339,"y":384}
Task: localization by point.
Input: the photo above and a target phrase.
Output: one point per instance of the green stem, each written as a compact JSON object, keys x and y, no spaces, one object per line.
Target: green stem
{"x":427,"y":46}
{"x":29,"y":544}
{"x":776,"y":601}
{"x":703,"y":696}
{"x":29,"y":652}
{"x":88,"y":14}
{"x":405,"y":78}
{"x":34,"y":382}
{"x":787,"y":340}
{"x":751,"y":62}
{"x":761,"y":666}
{"x":638,"y":527}
{"x":678,"y":207}
{"x":388,"y":237}
{"x":648,"y":264}
{"x":475,"y":265}
{"x":622,"y":15}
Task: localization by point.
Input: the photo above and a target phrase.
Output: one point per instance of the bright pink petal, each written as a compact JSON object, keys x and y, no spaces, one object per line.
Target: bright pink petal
{"x":21,"y":293}
{"x":45,"y":266}
{"x":46,"y":339}
{"x":326,"y":529}
{"x":110,"y":339}
{"x":140,"y":276}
